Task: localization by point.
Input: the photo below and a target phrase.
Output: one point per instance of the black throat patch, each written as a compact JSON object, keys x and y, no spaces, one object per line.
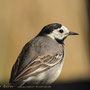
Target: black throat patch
{"x":60,"y":41}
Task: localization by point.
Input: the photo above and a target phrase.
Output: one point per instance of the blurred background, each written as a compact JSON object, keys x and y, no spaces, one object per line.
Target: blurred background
{"x":21,"y":20}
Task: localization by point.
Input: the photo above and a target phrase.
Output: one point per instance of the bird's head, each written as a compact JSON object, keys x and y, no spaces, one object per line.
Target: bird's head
{"x":56,"y":31}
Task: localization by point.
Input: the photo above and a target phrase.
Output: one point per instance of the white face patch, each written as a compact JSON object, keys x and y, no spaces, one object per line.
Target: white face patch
{"x":57,"y":34}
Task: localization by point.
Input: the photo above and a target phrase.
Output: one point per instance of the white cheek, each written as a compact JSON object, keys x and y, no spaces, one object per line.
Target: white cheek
{"x":58,"y":35}
{"x":55,"y":34}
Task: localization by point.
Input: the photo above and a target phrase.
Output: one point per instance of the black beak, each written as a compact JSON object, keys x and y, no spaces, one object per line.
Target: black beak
{"x":73,"y":33}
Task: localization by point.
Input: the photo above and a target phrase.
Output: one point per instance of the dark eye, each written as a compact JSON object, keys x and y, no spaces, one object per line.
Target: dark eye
{"x":61,"y":31}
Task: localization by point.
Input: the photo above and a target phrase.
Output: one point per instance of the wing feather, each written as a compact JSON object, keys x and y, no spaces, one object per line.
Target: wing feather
{"x":38,"y":65}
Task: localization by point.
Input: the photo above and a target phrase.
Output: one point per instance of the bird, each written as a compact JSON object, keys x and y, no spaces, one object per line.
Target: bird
{"x":41,"y":59}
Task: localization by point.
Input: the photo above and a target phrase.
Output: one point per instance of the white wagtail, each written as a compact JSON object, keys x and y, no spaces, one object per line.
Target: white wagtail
{"x":41,"y":59}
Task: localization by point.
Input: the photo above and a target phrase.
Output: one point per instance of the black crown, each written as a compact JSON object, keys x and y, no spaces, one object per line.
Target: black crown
{"x":49,"y":28}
